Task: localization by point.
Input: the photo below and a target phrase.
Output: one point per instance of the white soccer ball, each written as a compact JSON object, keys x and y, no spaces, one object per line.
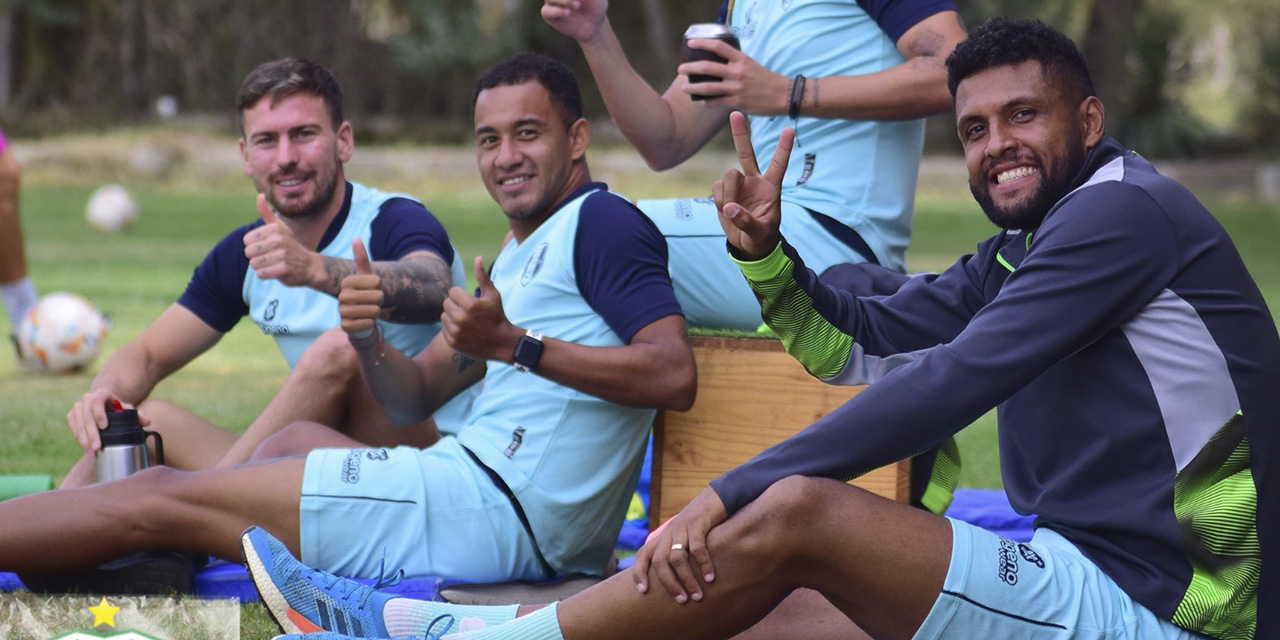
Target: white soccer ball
{"x":62,"y":333}
{"x":111,"y":209}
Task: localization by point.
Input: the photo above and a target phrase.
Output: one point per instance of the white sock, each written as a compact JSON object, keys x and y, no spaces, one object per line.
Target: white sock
{"x":18,"y":297}
{"x":542,"y":624}
{"x":408,"y":617}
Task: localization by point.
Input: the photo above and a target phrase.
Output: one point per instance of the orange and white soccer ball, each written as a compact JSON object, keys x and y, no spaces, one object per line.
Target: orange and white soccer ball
{"x":61,"y":333}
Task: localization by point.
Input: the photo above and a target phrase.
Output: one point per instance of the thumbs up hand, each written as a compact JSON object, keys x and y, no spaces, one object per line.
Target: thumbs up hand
{"x":274,"y":252}
{"x":360,"y":300}
{"x":476,"y":326}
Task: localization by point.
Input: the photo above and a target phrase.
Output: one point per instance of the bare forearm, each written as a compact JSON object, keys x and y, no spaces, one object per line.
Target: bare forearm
{"x":637,"y":375}
{"x":394,"y":380}
{"x":130,"y":374}
{"x":413,"y":288}
{"x":664,"y":131}
{"x":915,"y":89}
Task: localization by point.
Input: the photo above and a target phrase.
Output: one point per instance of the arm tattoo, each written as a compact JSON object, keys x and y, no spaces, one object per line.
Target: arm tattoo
{"x":414,"y":287}
{"x":463,"y":362}
{"x":335,"y":269}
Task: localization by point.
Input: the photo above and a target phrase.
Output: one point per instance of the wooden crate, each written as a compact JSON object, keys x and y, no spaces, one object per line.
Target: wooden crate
{"x":751,"y":395}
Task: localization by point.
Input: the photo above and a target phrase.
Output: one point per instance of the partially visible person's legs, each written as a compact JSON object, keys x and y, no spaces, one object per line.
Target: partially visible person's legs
{"x":155,"y":509}
{"x":16,"y":289}
{"x":709,"y":286}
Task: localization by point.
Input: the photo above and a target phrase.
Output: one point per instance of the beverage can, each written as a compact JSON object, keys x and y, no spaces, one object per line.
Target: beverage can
{"x":709,"y":30}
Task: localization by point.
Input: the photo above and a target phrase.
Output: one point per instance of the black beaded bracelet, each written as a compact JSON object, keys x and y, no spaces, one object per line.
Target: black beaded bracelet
{"x":797,"y":96}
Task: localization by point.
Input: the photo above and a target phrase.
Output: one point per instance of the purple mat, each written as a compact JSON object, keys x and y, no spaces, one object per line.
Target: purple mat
{"x":990,"y":509}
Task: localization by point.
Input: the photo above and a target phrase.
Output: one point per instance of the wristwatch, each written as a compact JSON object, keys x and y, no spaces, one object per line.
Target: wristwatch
{"x":528,"y":351}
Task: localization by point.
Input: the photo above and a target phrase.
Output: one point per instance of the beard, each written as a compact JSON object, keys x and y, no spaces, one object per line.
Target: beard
{"x":1055,"y":183}
{"x":326,"y":183}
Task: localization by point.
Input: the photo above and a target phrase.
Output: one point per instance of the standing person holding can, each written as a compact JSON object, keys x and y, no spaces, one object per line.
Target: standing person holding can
{"x":853,"y":78}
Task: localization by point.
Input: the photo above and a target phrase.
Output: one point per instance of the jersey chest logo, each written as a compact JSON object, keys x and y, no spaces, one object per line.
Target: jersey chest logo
{"x":534,"y":265}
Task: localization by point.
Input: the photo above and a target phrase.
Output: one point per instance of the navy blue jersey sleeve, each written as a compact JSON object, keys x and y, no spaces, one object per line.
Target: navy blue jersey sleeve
{"x":1091,"y":271}
{"x":216,"y":290}
{"x":621,"y":262}
{"x":404,"y":226}
{"x":896,"y":17}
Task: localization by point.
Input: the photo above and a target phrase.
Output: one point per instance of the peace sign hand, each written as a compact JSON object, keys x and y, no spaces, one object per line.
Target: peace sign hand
{"x":750,"y":204}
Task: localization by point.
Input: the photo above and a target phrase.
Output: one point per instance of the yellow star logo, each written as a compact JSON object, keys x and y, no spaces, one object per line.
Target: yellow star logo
{"x":104,"y":613}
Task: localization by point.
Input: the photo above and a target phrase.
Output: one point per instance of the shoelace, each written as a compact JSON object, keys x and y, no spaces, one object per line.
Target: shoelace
{"x":353,"y":588}
{"x":448,"y":624}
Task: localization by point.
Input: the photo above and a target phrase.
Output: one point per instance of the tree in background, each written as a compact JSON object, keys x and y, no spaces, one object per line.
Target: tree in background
{"x":1179,"y":76}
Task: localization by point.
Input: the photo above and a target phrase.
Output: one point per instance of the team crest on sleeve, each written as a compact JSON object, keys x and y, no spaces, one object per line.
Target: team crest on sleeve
{"x":534,"y":265}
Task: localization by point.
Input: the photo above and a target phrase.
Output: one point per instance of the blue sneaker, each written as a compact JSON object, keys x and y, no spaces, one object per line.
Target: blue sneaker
{"x":305,"y":600}
{"x":444,"y":622}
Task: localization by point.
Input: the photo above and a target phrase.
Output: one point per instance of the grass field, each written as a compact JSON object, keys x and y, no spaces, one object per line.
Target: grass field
{"x":135,"y":275}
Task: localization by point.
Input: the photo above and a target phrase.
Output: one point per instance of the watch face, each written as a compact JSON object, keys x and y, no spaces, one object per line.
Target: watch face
{"x":527,"y":353}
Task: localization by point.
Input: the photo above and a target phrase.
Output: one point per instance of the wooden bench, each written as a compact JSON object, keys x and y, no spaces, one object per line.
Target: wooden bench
{"x":751,"y":395}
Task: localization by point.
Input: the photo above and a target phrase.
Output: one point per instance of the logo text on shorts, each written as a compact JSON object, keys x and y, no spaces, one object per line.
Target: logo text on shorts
{"x":1008,"y":561}
{"x":351,"y":467}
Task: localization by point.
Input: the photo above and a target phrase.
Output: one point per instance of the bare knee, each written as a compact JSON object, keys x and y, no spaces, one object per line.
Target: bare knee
{"x":329,"y":360}
{"x":288,"y":441}
{"x":299,"y":438}
{"x":782,"y":523}
{"x":143,"y":503}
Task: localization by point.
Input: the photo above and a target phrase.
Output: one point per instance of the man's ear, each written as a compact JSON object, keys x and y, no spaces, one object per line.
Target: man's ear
{"x":346,"y":141}
{"x":579,"y":138}
{"x":1093,"y":120}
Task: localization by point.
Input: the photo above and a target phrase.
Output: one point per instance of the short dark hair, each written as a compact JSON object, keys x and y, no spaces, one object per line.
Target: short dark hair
{"x":1001,"y":42}
{"x":556,"y":78}
{"x":280,"y":79}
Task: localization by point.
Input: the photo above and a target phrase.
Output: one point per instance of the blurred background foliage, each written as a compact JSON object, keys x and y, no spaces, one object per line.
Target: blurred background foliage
{"x":1181,"y":78}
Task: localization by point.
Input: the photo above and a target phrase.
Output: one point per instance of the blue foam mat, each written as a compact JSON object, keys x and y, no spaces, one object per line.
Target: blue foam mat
{"x":990,"y":509}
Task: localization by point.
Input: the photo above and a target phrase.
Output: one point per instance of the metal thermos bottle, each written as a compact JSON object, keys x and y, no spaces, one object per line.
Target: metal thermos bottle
{"x":124,"y":445}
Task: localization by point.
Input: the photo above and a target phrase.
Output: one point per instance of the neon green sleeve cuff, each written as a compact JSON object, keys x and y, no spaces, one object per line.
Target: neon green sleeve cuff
{"x":767,"y":268}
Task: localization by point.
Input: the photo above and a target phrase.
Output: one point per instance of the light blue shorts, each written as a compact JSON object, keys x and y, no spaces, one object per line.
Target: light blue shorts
{"x":432,"y":512}
{"x":709,"y":286}
{"x":998,"y":589}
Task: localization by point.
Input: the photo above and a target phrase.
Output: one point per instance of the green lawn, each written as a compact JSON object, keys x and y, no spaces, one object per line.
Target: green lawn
{"x":135,"y":275}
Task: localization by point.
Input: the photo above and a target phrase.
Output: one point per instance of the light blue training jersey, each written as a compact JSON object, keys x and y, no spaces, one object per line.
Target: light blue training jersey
{"x":861,"y":173}
{"x":570,"y":458}
{"x":295,"y":316}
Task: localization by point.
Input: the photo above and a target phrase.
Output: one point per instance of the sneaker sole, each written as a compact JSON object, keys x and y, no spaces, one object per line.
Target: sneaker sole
{"x":285,"y":617}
